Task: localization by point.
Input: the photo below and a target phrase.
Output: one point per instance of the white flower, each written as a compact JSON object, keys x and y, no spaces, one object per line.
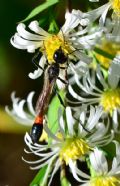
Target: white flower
{"x":79,"y":69}
{"x":72,"y":38}
{"x":23,"y":111}
{"x":18,"y":112}
{"x":105,"y":92}
{"x":71,"y":142}
{"x":111,"y":27}
{"x":100,"y":173}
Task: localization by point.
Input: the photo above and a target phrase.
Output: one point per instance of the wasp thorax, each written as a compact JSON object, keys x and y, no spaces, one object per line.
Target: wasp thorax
{"x":53,"y":71}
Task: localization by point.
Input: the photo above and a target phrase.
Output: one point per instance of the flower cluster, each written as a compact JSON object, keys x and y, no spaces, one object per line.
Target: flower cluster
{"x":83,"y":60}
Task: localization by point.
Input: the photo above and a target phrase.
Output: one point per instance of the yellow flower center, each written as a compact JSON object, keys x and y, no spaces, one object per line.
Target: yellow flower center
{"x":73,"y":148}
{"x":52,"y":43}
{"x":110,"y":100}
{"x":116,"y":6}
{"x":105,"y":181}
{"x":110,"y":48}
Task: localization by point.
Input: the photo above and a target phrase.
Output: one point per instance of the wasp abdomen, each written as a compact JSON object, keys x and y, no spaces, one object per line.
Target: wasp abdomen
{"x":37,"y":129}
{"x":36,"y":132}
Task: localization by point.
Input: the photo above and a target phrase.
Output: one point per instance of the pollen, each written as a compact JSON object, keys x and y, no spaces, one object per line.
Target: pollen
{"x":110,"y":100}
{"x":44,"y":136}
{"x":116,"y":6}
{"x":105,"y":181}
{"x":52,"y":43}
{"x":73,"y":148}
{"x":110,"y":48}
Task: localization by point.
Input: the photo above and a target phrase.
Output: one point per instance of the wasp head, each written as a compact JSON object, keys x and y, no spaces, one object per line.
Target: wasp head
{"x":59,"y":56}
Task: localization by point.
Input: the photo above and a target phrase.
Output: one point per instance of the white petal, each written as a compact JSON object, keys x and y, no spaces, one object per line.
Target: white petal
{"x":34,"y":26}
{"x":94,"y":117}
{"x":98,"y":161}
{"x":70,"y":120}
{"x":62,"y":75}
{"x":21,"y":43}
{"x":83,"y":113}
{"x":115,"y":120}
{"x":36,"y":74}
{"x":103,"y":16}
{"x":25,"y":34}
{"x":71,"y":22}
{"x":114,"y":72}
{"x":101,"y":78}
{"x":73,"y":170}
{"x":29,"y":102}
{"x":61,"y":120}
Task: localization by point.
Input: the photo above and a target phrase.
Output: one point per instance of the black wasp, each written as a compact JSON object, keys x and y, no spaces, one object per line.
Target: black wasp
{"x":50,"y":76}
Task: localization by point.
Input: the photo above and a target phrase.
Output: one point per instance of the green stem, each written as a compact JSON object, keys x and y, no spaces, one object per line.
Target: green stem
{"x":62,"y":173}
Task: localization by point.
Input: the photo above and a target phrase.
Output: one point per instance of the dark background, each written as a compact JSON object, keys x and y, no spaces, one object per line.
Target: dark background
{"x":14,"y":68}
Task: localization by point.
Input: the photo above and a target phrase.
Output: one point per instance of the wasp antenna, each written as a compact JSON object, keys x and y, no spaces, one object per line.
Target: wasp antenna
{"x":44,"y":45}
{"x":77,"y":49}
{"x":62,"y":35}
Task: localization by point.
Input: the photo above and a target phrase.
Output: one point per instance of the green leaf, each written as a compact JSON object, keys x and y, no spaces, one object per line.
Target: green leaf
{"x":40,"y":8}
{"x":53,"y":112}
{"x":39,"y":177}
{"x":103,"y":53}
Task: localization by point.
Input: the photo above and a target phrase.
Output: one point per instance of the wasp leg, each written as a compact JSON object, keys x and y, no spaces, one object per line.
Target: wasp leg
{"x":35,"y":59}
{"x":63,"y":68}
{"x":47,"y":62}
{"x":63,"y":81}
{"x":77,"y":49}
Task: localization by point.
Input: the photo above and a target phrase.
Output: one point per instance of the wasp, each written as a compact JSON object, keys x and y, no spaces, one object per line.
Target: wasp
{"x":50,"y":76}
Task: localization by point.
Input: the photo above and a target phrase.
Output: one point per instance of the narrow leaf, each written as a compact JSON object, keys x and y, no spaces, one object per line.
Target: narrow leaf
{"x":40,"y":8}
{"x":38,"y":178}
{"x":53,"y":112}
{"x":103,"y":53}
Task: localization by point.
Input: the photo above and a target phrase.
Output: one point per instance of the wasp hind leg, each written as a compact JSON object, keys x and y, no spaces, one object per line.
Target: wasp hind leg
{"x":59,"y":97}
{"x":62,"y":80}
{"x":36,"y":58}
